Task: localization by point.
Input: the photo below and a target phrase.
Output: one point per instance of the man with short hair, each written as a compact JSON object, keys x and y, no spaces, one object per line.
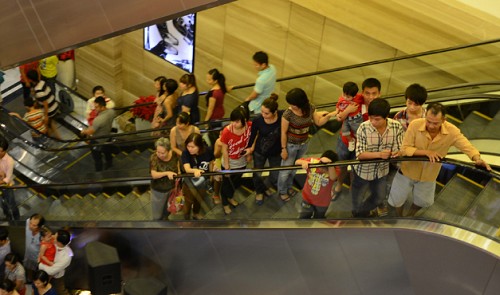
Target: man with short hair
{"x":32,"y":244}
{"x":416,"y":96}
{"x":264,"y":85}
{"x":378,"y":138}
{"x":9,"y":205}
{"x":101,"y":127}
{"x":431,"y":137}
{"x":61,"y":261}
{"x":370,"y":90}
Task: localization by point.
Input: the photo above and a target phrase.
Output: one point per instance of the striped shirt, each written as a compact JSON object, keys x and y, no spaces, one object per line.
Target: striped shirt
{"x":370,"y":140}
{"x":35,"y":119}
{"x":402,"y":117}
{"x":298,"y":128}
{"x":43,"y":93}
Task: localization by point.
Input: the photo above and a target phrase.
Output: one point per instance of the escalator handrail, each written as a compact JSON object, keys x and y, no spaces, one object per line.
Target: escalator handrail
{"x":437,"y":99}
{"x":494,"y":173}
{"x":353,"y":66}
{"x":380,"y":61}
{"x":113,"y":139}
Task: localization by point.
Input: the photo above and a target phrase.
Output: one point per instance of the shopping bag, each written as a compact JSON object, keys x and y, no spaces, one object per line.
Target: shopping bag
{"x":176,"y":199}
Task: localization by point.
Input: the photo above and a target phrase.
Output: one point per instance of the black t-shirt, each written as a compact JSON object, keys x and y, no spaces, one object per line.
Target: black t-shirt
{"x":269,"y":136}
{"x":200,"y":161}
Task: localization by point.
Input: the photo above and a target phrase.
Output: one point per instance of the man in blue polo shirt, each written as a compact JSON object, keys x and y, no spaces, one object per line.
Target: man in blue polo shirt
{"x":264,"y":85}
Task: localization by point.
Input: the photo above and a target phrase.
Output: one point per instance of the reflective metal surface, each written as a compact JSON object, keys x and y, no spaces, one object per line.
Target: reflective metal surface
{"x":295,"y":257}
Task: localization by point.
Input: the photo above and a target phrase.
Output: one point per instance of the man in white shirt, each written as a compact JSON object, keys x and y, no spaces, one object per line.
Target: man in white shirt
{"x":61,"y":261}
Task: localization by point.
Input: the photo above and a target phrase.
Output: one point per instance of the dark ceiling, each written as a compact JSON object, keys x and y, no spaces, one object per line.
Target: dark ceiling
{"x":32,"y":29}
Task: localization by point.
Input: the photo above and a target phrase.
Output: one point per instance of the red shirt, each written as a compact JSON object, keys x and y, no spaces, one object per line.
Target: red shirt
{"x":318,"y":186}
{"x":235,"y":143}
{"x":28,"y":67}
{"x":364,"y":112}
{"x":218,"y":112}
{"x":343,"y":103}
{"x":50,"y":251}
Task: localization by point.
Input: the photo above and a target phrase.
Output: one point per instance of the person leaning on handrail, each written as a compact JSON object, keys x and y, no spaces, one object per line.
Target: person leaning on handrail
{"x":431,"y":137}
{"x":163,"y":165}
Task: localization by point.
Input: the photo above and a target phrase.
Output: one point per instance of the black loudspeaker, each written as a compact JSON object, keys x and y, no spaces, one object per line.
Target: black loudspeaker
{"x":145,"y":286}
{"x":103,"y":268}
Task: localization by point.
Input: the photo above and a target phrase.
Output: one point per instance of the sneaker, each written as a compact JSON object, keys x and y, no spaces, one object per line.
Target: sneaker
{"x":352,"y":145}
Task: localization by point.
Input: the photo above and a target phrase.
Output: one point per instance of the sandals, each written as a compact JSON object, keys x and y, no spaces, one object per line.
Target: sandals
{"x":216,"y":200}
{"x":233,"y":203}
{"x":226,"y":210}
{"x":292,"y":193}
{"x":269,"y":192}
{"x":336,"y":195}
{"x":285,"y":198}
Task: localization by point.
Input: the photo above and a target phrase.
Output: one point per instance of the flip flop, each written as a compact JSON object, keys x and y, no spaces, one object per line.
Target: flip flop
{"x":292,"y":193}
{"x":286,"y":199}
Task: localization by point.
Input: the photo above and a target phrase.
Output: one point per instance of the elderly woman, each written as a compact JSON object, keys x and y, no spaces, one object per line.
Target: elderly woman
{"x":164,"y":165}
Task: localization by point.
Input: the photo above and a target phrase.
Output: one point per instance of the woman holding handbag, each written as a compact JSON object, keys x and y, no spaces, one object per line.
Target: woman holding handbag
{"x":164,"y":165}
{"x":197,"y":158}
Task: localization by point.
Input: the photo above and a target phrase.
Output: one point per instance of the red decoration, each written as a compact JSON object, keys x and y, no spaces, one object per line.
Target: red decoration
{"x":145,"y":112}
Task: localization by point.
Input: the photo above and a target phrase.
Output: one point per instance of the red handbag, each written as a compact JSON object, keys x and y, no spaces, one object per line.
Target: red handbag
{"x":176,"y":199}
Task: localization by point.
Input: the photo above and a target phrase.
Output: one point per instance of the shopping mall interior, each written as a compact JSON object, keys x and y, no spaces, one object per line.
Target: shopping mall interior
{"x":450,"y":47}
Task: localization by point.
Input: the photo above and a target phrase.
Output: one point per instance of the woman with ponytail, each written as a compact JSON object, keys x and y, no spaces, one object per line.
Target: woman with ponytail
{"x":215,"y":97}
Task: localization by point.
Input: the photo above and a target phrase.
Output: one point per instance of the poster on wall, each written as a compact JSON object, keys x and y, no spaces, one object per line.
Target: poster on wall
{"x":173,"y":41}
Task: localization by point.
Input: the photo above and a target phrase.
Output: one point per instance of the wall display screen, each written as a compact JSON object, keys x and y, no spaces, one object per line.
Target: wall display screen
{"x":173,"y":41}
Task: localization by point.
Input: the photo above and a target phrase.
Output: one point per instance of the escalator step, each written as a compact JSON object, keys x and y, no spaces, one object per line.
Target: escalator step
{"x":474,"y":124}
{"x":454,"y":199}
{"x":486,"y":207}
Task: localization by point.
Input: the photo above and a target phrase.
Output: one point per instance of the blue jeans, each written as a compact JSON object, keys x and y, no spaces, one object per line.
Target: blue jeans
{"x":351,"y":124}
{"x":259,"y":161}
{"x":359,"y":187}
{"x":9,"y":205}
{"x":285,"y":179}
{"x":343,"y":151}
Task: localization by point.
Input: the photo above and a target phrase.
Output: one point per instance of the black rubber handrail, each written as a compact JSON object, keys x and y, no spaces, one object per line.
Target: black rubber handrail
{"x":113,"y":182}
{"x":115,"y":137}
{"x":380,"y":61}
{"x":353,"y":66}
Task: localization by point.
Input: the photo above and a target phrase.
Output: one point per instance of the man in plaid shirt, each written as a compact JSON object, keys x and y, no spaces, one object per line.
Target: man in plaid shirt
{"x":377,"y":138}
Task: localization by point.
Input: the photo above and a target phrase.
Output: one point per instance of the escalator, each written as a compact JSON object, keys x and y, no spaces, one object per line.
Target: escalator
{"x":70,"y":162}
{"x":452,"y":246}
